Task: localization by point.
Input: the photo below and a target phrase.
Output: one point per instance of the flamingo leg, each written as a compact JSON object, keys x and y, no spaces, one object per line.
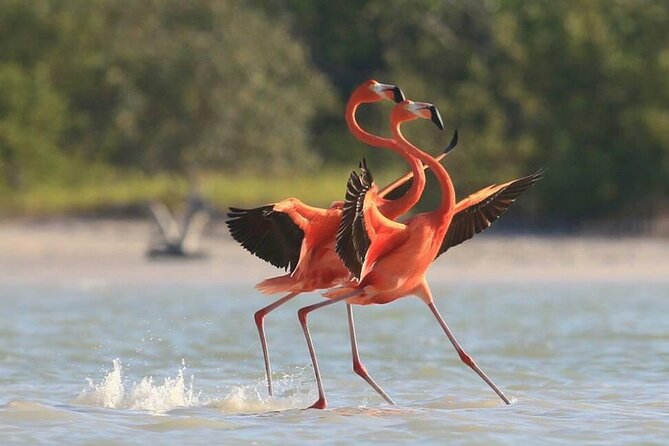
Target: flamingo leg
{"x":464,"y":356}
{"x":302,"y":314}
{"x":259,"y":318}
{"x":358,"y":367}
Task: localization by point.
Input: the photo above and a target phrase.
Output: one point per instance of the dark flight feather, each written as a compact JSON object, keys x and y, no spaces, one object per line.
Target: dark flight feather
{"x":268,"y":234}
{"x":352,"y":240}
{"x":479,"y":216}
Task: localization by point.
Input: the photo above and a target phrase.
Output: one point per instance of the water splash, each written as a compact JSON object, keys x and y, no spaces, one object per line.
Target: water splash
{"x":114,"y":393}
{"x":289,"y":393}
{"x":292,"y":391}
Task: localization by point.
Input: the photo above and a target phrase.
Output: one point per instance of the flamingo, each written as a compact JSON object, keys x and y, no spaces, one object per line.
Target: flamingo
{"x":292,"y":235}
{"x":385,"y":246}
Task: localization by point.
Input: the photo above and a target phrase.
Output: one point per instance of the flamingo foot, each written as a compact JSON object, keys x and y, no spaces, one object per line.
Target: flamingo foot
{"x":320,"y":404}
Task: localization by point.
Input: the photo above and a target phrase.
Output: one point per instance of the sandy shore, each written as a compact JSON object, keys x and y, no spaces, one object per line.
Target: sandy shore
{"x":100,"y":252}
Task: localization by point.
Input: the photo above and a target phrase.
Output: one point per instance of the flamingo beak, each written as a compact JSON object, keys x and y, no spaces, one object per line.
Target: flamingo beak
{"x":436,"y":117}
{"x":391,"y":92}
{"x":398,"y":95}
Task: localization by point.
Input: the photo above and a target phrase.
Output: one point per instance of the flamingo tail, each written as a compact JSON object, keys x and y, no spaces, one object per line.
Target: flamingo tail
{"x":275,"y":285}
{"x":341,"y":291}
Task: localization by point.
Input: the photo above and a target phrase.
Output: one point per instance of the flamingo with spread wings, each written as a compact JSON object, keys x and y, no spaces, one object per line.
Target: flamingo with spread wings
{"x":301,"y":238}
{"x":384,"y":247}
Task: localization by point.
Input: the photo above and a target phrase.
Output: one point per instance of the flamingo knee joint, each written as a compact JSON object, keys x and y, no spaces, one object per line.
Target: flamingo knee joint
{"x":359,"y":368}
{"x":259,"y":317}
{"x":466,"y":358}
{"x":302,"y":315}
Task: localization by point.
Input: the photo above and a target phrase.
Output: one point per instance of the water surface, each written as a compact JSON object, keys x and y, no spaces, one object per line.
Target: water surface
{"x":98,"y":363}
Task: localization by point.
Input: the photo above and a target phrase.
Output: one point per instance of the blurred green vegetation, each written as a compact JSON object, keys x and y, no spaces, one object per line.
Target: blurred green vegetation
{"x":117,"y":194}
{"x":105,"y":103}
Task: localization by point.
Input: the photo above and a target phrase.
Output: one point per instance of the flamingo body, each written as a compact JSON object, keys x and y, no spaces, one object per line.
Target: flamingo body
{"x":398,"y":256}
{"x":318,"y":267}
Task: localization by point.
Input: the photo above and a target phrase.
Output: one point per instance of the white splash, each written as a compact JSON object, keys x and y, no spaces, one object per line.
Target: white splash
{"x":289,"y":394}
{"x":113,"y":393}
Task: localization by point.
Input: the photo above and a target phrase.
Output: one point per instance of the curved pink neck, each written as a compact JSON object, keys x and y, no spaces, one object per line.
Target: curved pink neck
{"x":447,"y":204}
{"x":390,"y":208}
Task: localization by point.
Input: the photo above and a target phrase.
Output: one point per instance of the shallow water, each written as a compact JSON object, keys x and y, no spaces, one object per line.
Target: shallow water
{"x":112,"y":364}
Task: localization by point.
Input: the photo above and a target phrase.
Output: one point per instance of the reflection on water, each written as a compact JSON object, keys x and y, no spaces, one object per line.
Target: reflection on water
{"x":584,"y":363}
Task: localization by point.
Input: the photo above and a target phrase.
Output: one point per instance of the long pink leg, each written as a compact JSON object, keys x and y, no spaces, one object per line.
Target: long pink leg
{"x":260,"y":323}
{"x":358,"y":367}
{"x":302,"y":314}
{"x":464,"y":356}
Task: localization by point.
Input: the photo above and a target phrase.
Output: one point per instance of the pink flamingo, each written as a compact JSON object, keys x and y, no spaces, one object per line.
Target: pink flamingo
{"x":396,"y":256}
{"x":292,"y":235}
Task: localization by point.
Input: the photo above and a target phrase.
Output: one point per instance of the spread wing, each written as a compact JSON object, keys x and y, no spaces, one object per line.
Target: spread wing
{"x":362,"y":223}
{"x":352,"y":239}
{"x":481,"y":209}
{"x":268,"y":234}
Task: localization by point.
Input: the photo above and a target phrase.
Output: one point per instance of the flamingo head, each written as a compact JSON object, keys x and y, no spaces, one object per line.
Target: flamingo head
{"x":409,"y":110}
{"x":373,"y":91}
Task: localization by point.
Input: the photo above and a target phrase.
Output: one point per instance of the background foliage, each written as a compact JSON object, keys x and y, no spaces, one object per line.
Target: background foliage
{"x":94,"y":91}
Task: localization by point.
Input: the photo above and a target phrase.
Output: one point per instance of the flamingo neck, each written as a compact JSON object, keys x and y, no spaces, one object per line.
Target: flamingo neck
{"x":447,"y":204}
{"x":360,"y":133}
{"x":391,"y":208}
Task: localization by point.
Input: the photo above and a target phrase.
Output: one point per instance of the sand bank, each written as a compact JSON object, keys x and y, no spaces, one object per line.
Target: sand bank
{"x":76,"y":251}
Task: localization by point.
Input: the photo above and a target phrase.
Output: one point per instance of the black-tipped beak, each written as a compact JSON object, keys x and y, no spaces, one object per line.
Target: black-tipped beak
{"x":436,"y":117}
{"x":454,"y":142}
{"x":398,"y":95}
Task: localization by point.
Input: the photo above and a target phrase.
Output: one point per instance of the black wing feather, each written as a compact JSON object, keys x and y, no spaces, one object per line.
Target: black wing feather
{"x":478,"y":217}
{"x":344,"y":245}
{"x":360,"y":238}
{"x":352,"y":239}
{"x":268,"y":234}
